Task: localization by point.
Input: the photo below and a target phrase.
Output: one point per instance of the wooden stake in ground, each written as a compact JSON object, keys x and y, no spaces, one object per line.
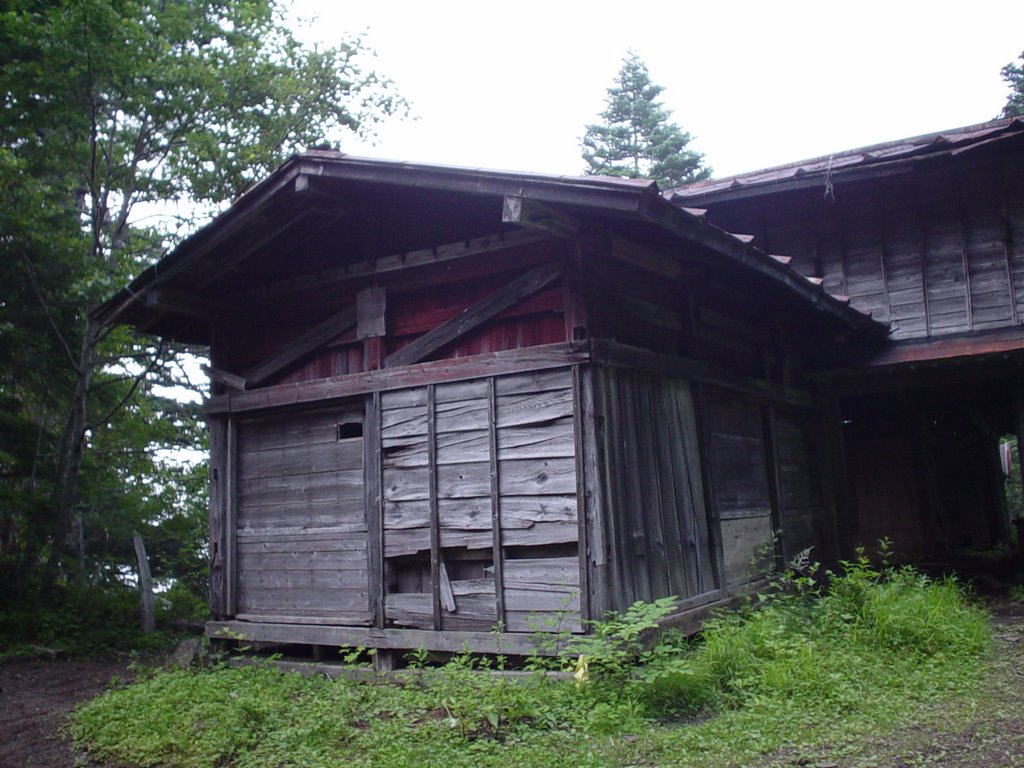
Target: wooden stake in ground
{"x":148,"y":619}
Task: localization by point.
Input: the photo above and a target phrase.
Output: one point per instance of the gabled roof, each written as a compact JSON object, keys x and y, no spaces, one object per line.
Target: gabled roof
{"x":872,"y":161}
{"x":282,"y":207}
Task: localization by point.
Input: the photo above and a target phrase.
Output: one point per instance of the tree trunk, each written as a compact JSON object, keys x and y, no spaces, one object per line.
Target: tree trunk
{"x":69,"y":463}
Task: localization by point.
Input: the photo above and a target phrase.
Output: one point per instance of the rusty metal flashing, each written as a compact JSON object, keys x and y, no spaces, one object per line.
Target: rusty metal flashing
{"x":875,"y":161}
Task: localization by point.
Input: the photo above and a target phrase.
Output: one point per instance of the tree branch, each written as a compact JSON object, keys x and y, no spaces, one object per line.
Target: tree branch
{"x":135,"y":385}
{"x":49,"y":315}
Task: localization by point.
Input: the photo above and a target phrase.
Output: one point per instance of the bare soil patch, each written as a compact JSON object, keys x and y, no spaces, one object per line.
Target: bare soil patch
{"x":35,"y":699}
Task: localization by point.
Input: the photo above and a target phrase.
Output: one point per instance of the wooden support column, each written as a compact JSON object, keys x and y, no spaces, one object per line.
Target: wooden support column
{"x":583,"y":537}
{"x":218,"y":477}
{"x":829,"y":543}
{"x":590,"y":495}
{"x":436,"y":563}
{"x":374,"y":499}
{"x":837,"y":495}
{"x":1018,"y":410}
{"x":231,"y":518}
{"x":498,"y":555}
{"x":771,"y":455}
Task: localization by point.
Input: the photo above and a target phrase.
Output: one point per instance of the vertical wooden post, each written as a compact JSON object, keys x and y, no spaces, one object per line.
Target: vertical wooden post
{"x":1018,"y":409}
{"x":771,"y":455}
{"x":218,"y":448}
{"x":148,"y":616}
{"x":583,"y":537}
{"x":435,"y":520}
{"x":836,"y":496}
{"x":231,"y":519}
{"x":590,"y":495}
{"x":710,"y":499}
{"x":498,"y":553}
{"x":827,"y":533}
{"x":372,"y":480}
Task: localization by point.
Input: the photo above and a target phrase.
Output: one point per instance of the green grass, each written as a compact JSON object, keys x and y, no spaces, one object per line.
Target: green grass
{"x":809,"y":669}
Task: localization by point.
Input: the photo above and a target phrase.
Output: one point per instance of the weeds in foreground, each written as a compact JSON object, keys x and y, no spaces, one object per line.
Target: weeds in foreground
{"x":814,"y":660}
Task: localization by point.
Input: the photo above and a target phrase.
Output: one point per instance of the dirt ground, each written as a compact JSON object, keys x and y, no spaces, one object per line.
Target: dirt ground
{"x":36,"y":697}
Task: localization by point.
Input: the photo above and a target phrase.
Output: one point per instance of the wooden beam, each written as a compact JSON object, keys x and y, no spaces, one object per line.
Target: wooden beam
{"x":179,"y":302}
{"x":396,"y":261}
{"x":614,"y":354}
{"x":475,"y":315}
{"x":336,"y":387}
{"x":401,"y":639}
{"x":298,"y":348}
{"x":534,"y":215}
{"x":229,"y":380}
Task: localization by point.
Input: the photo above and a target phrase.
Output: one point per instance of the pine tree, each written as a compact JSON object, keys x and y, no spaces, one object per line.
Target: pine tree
{"x":1013,"y":74}
{"x":637,"y":139}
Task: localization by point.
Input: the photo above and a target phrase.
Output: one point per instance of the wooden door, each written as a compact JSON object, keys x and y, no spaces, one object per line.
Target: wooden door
{"x":301,"y":527}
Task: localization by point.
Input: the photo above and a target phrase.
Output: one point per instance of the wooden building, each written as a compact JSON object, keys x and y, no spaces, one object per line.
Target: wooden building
{"x":453,"y":408}
{"x":926,"y":234}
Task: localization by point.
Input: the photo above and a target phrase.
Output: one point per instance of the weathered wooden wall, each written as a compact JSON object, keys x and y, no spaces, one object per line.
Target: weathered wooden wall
{"x":655,"y":519}
{"x":480,"y":518}
{"x":938,"y":249}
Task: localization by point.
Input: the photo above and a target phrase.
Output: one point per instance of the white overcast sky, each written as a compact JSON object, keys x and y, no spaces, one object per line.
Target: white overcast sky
{"x":511,"y":85}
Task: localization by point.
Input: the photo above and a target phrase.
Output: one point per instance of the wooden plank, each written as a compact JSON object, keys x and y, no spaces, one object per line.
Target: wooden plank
{"x":229,"y":380}
{"x":497,"y":553}
{"x":337,"y":387}
{"x":532,"y":382}
{"x":402,"y":639}
{"x":533,"y":409}
{"x":475,"y":315}
{"x":707,"y":485}
{"x":551,"y":440}
{"x":775,"y":496}
{"x":298,"y":348}
{"x":374,"y":508}
{"x":340,"y":618}
{"x":670,"y":463}
{"x":435,"y":518}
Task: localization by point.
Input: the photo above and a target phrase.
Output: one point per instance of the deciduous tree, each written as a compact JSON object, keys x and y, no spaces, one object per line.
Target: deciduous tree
{"x":111,"y":108}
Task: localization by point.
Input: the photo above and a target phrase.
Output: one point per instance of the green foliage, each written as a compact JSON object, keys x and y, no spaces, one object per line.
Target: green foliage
{"x":812,"y":661}
{"x":118,"y":116}
{"x":1013,"y":75}
{"x":79,"y":621}
{"x":637,"y":139}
